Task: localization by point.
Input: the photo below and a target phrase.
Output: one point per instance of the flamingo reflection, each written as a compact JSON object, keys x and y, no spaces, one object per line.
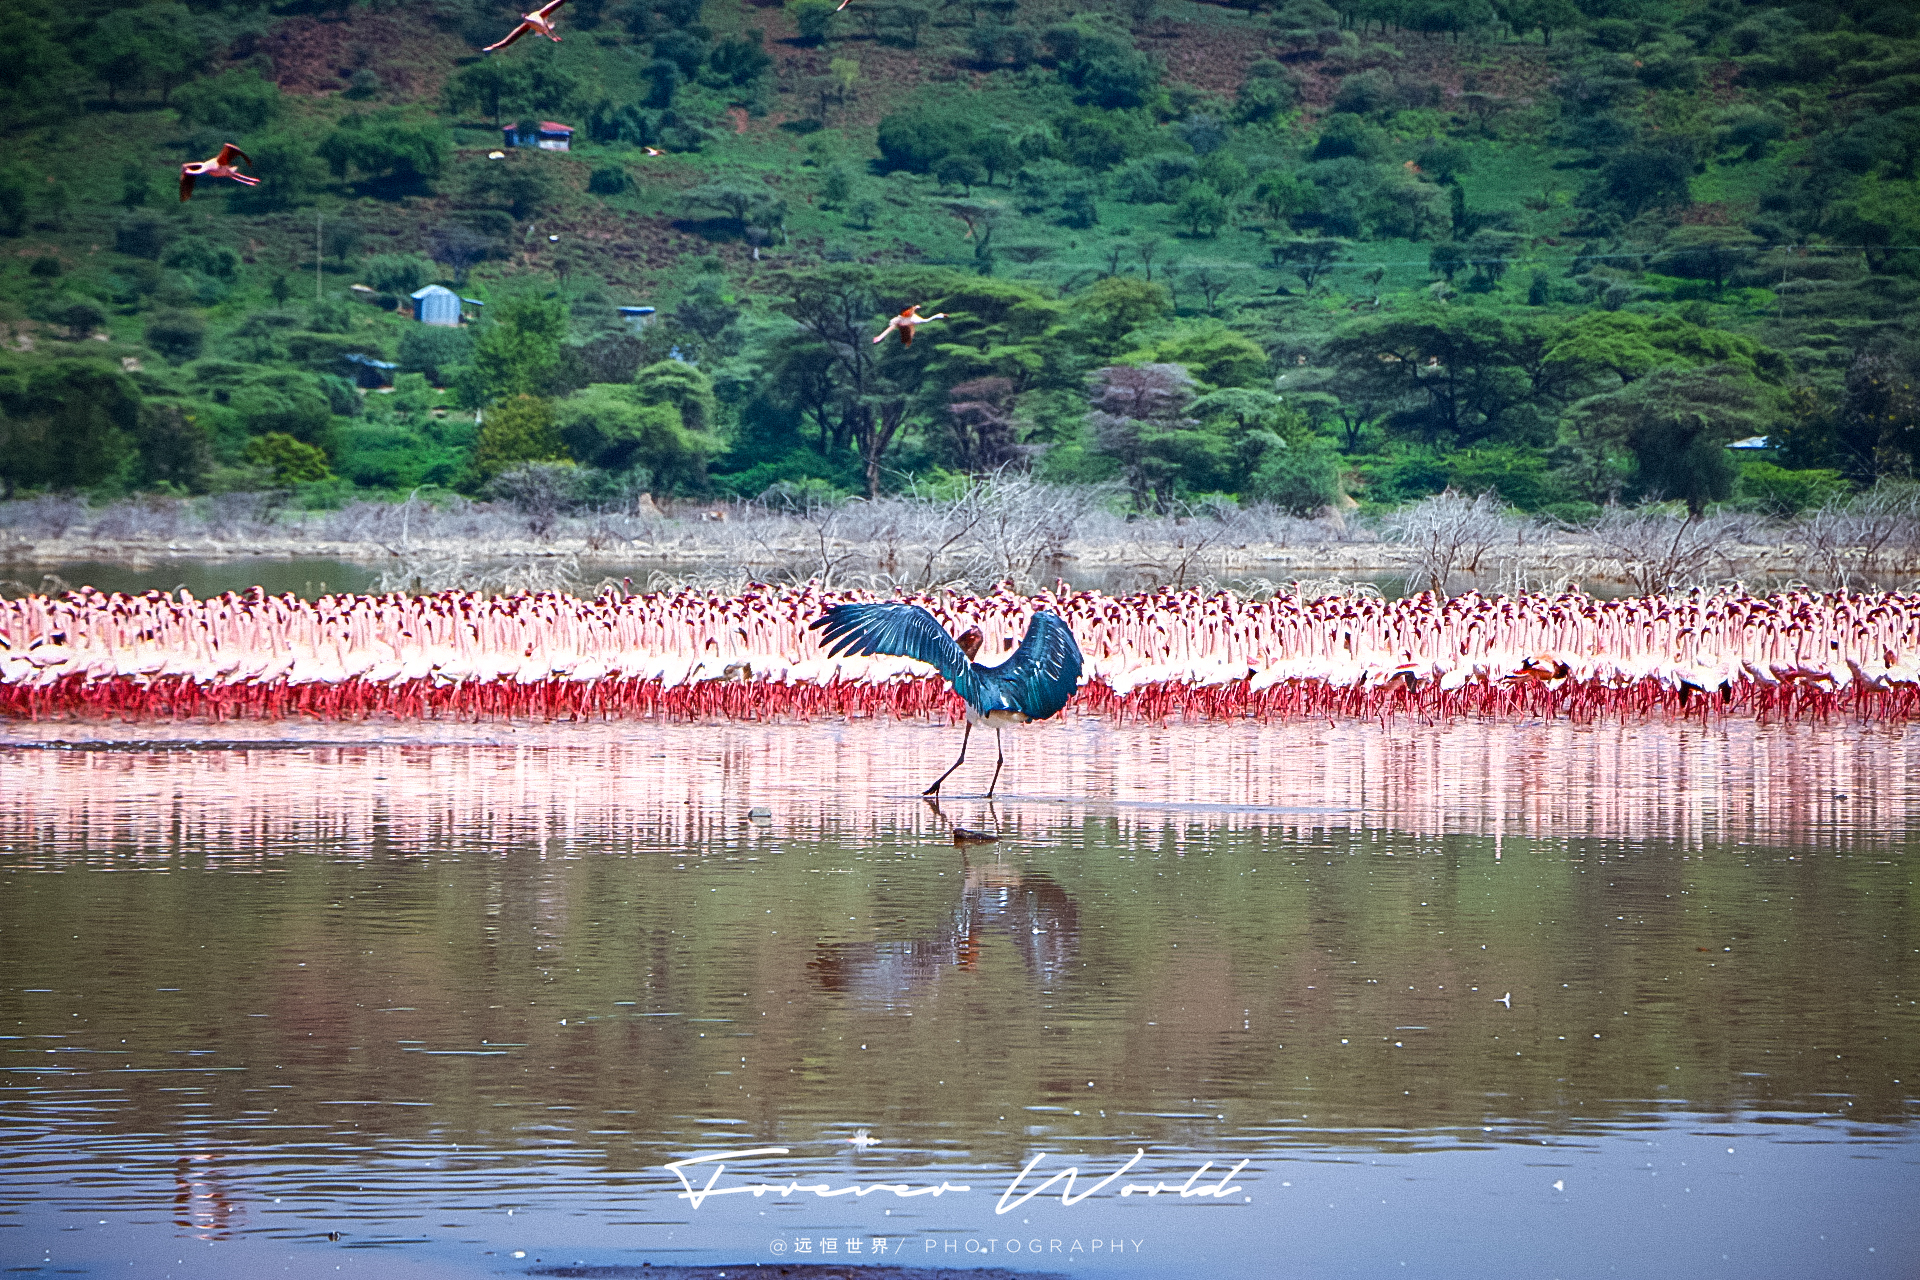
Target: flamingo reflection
{"x":201,"y":1201}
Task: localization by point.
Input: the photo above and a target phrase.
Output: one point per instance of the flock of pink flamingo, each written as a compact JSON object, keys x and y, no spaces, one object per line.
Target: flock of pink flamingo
{"x":693,"y":653}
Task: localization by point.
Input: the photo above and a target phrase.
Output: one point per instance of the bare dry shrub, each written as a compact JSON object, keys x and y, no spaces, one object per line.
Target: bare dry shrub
{"x":1448,"y":533}
{"x":815,"y":518}
{"x":424,"y":572}
{"x":148,"y":518}
{"x":1872,"y":540}
{"x":1015,"y":526}
{"x":242,"y":517}
{"x":1663,"y":548}
{"x":540,"y":491}
{"x":377,"y":522}
{"x":51,"y":516}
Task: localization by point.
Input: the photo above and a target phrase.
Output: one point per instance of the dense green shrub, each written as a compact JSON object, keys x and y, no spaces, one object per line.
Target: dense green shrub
{"x":392,"y":153}
{"x":397,"y":273}
{"x":608,"y":180}
{"x":235,"y":102}
{"x":178,"y":335}
{"x":1298,"y":481}
{"x":64,"y":424}
{"x":433,"y":350}
{"x":921,"y":138}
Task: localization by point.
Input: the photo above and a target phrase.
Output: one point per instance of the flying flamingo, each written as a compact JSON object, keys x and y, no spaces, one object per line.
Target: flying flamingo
{"x":221,"y":166}
{"x":1031,"y":685}
{"x":905,"y":322}
{"x":539,"y":20}
{"x":653,"y":151}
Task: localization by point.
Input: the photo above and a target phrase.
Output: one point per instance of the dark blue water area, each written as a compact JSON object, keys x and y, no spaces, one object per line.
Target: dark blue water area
{"x":1695,"y":1196}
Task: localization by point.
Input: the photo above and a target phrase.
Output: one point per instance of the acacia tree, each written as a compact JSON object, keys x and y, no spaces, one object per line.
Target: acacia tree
{"x":981,"y":412}
{"x":135,"y":47}
{"x":488,"y":85}
{"x":1677,"y":423}
{"x":1139,"y":413}
{"x":744,"y":205}
{"x":1461,"y":376}
{"x":1311,"y":258}
{"x":836,"y":307}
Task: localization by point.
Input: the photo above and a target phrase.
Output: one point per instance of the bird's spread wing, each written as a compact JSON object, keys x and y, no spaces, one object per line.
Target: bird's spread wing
{"x":512,"y":35}
{"x":186,"y":186}
{"x":546,"y":10}
{"x":906,"y":335}
{"x":228,"y":151}
{"x":1044,"y":671}
{"x":903,"y":630}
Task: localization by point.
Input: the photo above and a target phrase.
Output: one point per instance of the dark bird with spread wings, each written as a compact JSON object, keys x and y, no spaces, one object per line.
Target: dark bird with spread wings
{"x":221,"y":166}
{"x":540,"y":20}
{"x":1032,"y":684}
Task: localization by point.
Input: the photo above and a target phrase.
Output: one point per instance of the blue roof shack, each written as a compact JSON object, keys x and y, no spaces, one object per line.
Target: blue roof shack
{"x":548,"y":135}
{"x":437,"y":304}
{"x":636,"y":317}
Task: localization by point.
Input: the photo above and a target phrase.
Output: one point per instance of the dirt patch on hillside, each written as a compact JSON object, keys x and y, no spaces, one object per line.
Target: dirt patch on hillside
{"x":889,"y":75}
{"x":1208,"y":57}
{"x":312,"y":56}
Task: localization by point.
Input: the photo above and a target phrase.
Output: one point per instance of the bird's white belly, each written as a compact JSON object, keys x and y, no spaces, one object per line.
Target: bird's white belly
{"x":995,"y":719}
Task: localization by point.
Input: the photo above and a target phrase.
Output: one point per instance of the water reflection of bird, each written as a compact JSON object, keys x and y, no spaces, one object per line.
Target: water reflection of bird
{"x":201,"y":1201}
{"x":1035,"y":914}
{"x":1031,"y":685}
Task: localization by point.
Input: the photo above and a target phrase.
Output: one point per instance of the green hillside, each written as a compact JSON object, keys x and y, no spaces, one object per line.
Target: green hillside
{"x":1565,"y":249}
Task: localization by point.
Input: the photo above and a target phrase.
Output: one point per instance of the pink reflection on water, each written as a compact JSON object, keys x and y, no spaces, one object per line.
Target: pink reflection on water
{"x":573,"y":788}
{"x":201,"y":1201}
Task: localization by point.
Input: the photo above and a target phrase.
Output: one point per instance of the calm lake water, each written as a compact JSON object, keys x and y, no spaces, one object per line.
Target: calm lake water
{"x":445,"y":1000}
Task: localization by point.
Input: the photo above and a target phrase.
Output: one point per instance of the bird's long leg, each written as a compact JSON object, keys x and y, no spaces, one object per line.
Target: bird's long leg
{"x":999,"y":746}
{"x":934,"y":790}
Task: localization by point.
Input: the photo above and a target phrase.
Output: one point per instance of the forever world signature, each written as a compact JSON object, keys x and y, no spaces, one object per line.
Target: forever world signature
{"x":713,"y":1167}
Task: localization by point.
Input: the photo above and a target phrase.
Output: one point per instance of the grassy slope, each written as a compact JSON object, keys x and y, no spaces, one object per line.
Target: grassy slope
{"x":646,"y":247}
{"x":643,"y":245}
